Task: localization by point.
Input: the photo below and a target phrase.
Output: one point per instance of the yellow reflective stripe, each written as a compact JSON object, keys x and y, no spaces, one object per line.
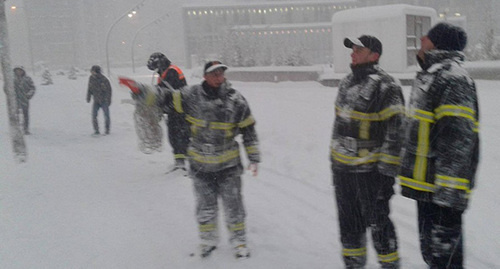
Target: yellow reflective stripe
{"x":364,"y":129}
{"x":456,"y":111}
{"x":150,"y":98}
{"x":416,"y":184}
{"x":236,"y":227}
{"x":391,"y":257}
{"x":358,"y":115}
{"x":179,"y":156}
{"x":212,"y":125}
{"x":350,"y":160}
{"x":252,"y":149}
{"x":207,"y":227}
{"x":177,"y":100}
{"x":222,"y":158}
{"x":453,"y":182}
{"x":390,"y":159}
{"x":380,"y":116}
{"x":197,"y":122}
{"x":221,"y":125}
{"x":370,"y":158}
{"x":354,"y":252}
{"x":246,"y":122}
{"x":420,"y":168}
{"x":391,"y":111}
{"x":422,"y":115}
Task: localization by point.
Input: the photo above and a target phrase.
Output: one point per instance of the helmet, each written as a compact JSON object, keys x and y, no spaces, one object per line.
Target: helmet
{"x":158,"y":60}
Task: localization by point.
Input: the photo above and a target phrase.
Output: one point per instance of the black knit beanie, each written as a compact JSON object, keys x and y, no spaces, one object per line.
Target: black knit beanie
{"x":446,"y":36}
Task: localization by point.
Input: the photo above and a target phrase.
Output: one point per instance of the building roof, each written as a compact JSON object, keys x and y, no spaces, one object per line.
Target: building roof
{"x":225,"y":3}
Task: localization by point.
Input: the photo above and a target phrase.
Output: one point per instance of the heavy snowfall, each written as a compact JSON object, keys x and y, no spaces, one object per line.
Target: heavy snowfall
{"x":98,"y":202}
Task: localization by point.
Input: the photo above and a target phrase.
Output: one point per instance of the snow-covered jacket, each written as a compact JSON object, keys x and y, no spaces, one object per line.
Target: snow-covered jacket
{"x":441,"y":148}
{"x":369,"y":112}
{"x":25,"y":88}
{"x":216,"y":117}
{"x":100,"y":88}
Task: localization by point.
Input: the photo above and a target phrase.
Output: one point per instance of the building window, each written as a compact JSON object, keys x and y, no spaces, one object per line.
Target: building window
{"x":416,"y":27}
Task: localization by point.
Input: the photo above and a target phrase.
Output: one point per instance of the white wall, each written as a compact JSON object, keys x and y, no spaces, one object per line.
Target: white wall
{"x":387,"y":23}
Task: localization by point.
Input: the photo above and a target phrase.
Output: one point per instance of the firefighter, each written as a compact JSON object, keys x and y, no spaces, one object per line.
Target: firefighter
{"x":441,"y":145}
{"x":171,"y":76}
{"x":365,"y":146}
{"x":217,"y":113}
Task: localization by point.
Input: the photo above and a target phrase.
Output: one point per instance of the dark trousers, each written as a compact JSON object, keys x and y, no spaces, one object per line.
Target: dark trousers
{"x":105,"y":110}
{"x":440,"y":233}
{"x":178,"y":134}
{"x":25,"y":109}
{"x":363,"y":202}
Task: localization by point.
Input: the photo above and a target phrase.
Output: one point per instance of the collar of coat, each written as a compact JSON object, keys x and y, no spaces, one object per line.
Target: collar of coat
{"x":220,"y":92}
{"x":433,"y":57}
{"x":362,"y":71}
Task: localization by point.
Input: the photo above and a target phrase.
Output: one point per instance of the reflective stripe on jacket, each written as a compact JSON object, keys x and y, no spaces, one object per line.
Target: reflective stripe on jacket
{"x":215,"y":122}
{"x":441,"y":149}
{"x":369,"y":111}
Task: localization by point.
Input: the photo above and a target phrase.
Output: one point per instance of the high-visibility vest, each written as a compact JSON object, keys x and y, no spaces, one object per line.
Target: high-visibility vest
{"x":176,"y":68}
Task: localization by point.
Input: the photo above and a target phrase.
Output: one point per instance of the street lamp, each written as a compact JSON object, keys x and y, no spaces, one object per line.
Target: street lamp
{"x":133,"y":41}
{"x":14,"y":8}
{"x":130,"y":13}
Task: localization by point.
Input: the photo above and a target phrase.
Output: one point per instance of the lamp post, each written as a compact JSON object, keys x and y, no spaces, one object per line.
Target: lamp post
{"x":28,"y":28}
{"x":130,"y":13}
{"x":135,"y":36}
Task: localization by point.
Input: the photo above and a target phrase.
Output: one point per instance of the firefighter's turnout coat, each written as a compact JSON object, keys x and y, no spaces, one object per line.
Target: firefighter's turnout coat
{"x":368,"y":114}
{"x":216,"y":117}
{"x":441,"y":150}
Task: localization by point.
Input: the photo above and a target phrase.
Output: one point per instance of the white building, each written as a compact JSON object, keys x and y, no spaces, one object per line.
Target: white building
{"x":398,"y":27}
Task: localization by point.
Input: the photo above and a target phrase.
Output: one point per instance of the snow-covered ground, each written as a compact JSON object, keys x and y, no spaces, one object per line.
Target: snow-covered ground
{"x":98,"y":202}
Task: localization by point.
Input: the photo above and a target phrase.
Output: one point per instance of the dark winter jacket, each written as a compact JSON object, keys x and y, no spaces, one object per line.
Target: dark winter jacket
{"x":216,"y":117}
{"x":441,"y":149}
{"x":369,"y":112}
{"x":100,"y":88}
{"x":174,"y":76}
{"x":24,"y":87}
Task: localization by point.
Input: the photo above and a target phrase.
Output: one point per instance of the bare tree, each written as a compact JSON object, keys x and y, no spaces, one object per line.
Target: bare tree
{"x":19,"y":147}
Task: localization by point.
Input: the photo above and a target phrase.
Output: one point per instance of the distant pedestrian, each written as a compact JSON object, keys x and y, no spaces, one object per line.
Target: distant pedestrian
{"x":441,"y":147}
{"x":25,"y":89}
{"x":100,"y":88}
{"x":365,"y":148}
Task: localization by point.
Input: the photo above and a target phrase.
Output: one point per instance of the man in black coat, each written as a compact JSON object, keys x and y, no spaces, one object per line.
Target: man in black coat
{"x":100,"y":88}
{"x":25,"y":89}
